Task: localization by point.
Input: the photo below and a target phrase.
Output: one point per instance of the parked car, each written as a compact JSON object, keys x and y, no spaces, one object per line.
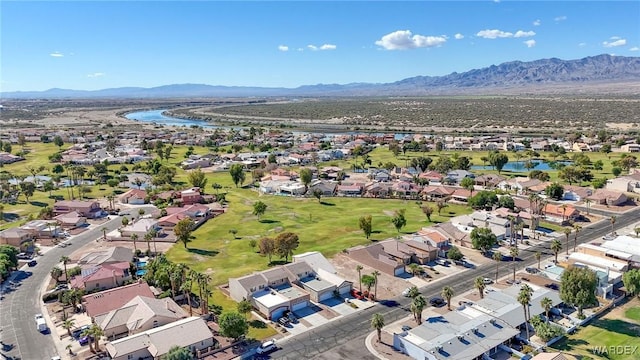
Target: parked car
{"x":442,"y":262}
{"x":406,"y":327}
{"x":465,"y":303}
{"x":85,"y":340}
{"x":23,"y":256}
{"x":437,"y":301}
{"x":552,"y":286}
{"x":77,"y":332}
{"x":532,"y":270}
{"x":41,"y":324}
{"x":267,"y":346}
{"x":292,"y":317}
{"x":284,"y":321}
{"x":406,"y":292}
{"x":32,"y":263}
{"x":487,"y":281}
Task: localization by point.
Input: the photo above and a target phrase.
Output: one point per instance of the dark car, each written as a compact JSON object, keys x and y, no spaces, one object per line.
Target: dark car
{"x":552,"y":286}
{"x":32,"y":263}
{"x":437,"y":301}
{"x":85,"y":340}
{"x":532,"y":270}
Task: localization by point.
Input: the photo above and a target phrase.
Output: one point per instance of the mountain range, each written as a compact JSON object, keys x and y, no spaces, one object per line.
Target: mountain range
{"x":600,"y":73}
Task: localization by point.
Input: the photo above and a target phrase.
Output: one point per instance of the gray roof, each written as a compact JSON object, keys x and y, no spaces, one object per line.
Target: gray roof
{"x":316,"y":260}
{"x":110,"y":255}
{"x":299,"y":269}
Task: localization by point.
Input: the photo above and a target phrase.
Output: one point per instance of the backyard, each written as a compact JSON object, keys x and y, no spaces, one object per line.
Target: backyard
{"x":613,"y":336}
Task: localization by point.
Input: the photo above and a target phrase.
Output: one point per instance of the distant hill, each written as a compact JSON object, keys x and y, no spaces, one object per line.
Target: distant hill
{"x":516,"y":77}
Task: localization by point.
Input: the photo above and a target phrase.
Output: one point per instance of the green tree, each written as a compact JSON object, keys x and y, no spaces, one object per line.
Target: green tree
{"x":468,"y":183}
{"x":233,"y":325}
{"x":317,"y":193}
{"x":57,"y":140}
{"x":447,"y":293}
{"x":556,"y":246}
{"x":359,"y":270}
{"x":513,"y":252}
{"x":483,"y":200}
{"x":455,"y":254}
{"x":305,"y":177}
{"x":483,"y":239}
{"x":197,"y":179}
{"x":368,"y":281}
{"x":49,"y":186}
{"x":524,"y":298}
{"x":183,"y":230}
{"x":398,"y":220}
{"x":68,"y":324}
{"x":578,"y":287}
{"x":427,"y":211}
{"x":237,"y":174}
{"x":479,"y":284}
{"x":413,"y":292}
{"x":285,"y":243}
{"x":417,"y":305}
{"x":267,"y":247}
{"x":27,"y":188}
{"x":375,"y":274}
{"x":56,"y":272}
{"x":178,"y":353}
{"x":554,"y":191}
{"x":498,"y":160}
{"x":377,"y":322}
{"x":244,"y":307}
{"x":546,"y":304}
{"x":506,"y":201}
{"x":365,"y":224}
{"x":631,"y":281}
{"x":616,"y":171}
{"x":259,"y":208}
{"x":65,"y":260}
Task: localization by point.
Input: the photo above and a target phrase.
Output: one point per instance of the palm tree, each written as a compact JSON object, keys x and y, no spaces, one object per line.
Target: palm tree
{"x":497,"y":257}
{"x":547,"y":304}
{"x":175,"y":276}
{"x":359,"y":269}
{"x":447,"y":293}
{"x":147,"y":238}
{"x":513,"y":251}
{"x":97,"y":333}
{"x":564,"y":211}
{"x":538,"y":257}
{"x":377,"y":322}
{"x":104,"y":233}
{"x":577,"y":228}
{"x":68,"y":324}
{"x":134,"y":237}
{"x":567,"y":232}
{"x":613,"y":221}
{"x":56,"y":272}
{"x":556,"y":246}
{"x":417,"y":305}
{"x":588,"y":202}
{"x":69,"y":349}
{"x":64,"y":260}
{"x":186,"y":291}
{"x":479,"y":284}
{"x":524,"y":297}
{"x":205,"y":279}
{"x":375,"y":274}
{"x":512,"y":230}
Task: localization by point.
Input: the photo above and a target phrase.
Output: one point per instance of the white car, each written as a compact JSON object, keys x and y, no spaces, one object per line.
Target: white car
{"x":487,"y":281}
{"x":266,"y":347}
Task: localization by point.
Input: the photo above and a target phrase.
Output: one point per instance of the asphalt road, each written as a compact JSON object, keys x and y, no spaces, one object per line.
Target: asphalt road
{"x":346,"y":335}
{"x":19,"y":306}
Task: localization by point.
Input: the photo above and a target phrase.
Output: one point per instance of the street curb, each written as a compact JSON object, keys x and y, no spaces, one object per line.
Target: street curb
{"x":368,"y":343}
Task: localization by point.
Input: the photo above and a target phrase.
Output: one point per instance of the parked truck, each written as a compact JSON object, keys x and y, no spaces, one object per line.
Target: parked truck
{"x":41,"y":324}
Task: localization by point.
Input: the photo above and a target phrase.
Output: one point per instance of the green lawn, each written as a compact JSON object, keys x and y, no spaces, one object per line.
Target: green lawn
{"x":633,"y":313}
{"x":329,"y":227}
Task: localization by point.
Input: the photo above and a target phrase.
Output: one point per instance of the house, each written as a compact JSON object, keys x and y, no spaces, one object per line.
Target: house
{"x":134,"y":197}
{"x":489,"y":180}
{"x":141,"y":227}
{"x":560,"y":213}
{"x":16,"y":237}
{"x":86,"y":208}
{"x":43,"y":228}
{"x":629,"y":183}
{"x":380,"y":175}
{"x":191,"y":333}
{"x":198,"y":213}
{"x":110,"y":255}
{"x":100,"y":277}
{"x":433,"y":177}
{"x":456,"y":176}
{"x":378,"y":190}
{"x":376,"y":256}
{"x":70,"y":220}
{"x":608,"y":197}
{"x":519,"y":184}
{"x":316,"y":260}
{"x":576,"y":193}
{"x":326,"y":188}
{"x":138,"y":315}
{"x":349,"y":190}
{"x":499,"y":226}
{"x":629,"y":148}
{"x":195,"y":162}
{"x":405,"y":190}
{"x":191,"y":196}
{"x":435,"y":239}
{"x":435,"y":193}
{"x":104,"y":301}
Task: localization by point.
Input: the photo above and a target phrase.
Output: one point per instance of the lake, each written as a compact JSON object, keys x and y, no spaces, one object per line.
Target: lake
{"x":518,"y":166}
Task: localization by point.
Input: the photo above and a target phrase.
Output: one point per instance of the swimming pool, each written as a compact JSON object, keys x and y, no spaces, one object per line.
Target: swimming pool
{"x":141,"y":272}
{"x":141,"y":264}
{"x":544,"y":230}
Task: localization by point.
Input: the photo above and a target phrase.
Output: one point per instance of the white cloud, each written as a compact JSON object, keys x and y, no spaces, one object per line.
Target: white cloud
{"x":96,"y":75}
{"x":56,"y":54}
{"x":312,"y":47}
{"x":560,"y":18}
{"x":537,"y":22}
{"x":582,"y":44}
{"x":300,"y":49}
{"x":530,"y":43}
{"x":403,"y":39}
{"x":458,"y":36}
{"x":619,"y":42}
{"x":283,"y":48}
{"x":521,"y":33}
{"x":635,"y":48}
{"x":328,"y":47}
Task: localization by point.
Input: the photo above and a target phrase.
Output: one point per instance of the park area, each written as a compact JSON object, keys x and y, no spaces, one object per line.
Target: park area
{"x":615,"y":335}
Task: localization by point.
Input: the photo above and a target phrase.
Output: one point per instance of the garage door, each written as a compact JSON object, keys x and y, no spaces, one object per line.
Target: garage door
{"x":325,"y":296}
{"x":399,"y":271}
{"x":278,"y":313}
{"x":299,"y":306}
{"x":345,"y":289}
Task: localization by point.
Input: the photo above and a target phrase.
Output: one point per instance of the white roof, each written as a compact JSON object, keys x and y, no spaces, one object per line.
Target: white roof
{"x":598,"y":261}
{"x":633,"y":249}
{"x":270,"y":298}
{"x":316,"y":260}
{"x":614,"y":253}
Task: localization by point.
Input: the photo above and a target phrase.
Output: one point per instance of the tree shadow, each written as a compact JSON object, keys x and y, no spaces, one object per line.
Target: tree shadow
{"x":389,"y":303}
{"x":268,"y":221}
{"x":9,"y":217}
{"x":38,"y":203}
{"x":324,"y":203}
{"x":618,"y":326}
{"x":277,"y":262}
{"x":376,"y":231}
{"x":257,"y":324}
{"x":204,"y":252}
{"x":569,"y":344}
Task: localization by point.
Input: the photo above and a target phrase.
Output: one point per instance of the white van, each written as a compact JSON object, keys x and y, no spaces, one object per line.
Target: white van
{"x":266,"y":347}
{"x":41,"y":324}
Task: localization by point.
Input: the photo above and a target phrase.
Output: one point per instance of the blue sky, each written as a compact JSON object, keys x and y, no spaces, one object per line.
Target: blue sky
{"x":102,"y":44}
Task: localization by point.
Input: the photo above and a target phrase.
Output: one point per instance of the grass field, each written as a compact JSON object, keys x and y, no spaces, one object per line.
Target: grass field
{"x":329,"y":227}
{"x":617,"y":329}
